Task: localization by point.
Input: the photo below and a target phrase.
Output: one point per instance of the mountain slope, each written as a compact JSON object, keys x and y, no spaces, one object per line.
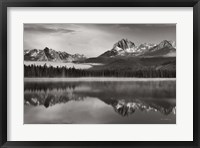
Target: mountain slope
{"x":144,"y":47}
{"x":134,"y":63}
{"x":162,"y":49}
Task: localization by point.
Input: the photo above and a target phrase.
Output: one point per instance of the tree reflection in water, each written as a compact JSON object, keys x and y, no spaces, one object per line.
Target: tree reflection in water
{"x":124,"y":97}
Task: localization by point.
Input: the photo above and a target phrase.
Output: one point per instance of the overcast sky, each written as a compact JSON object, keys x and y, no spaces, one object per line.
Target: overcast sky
{"x":93,"y":39}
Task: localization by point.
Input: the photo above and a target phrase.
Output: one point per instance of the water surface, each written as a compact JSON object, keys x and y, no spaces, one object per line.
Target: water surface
{"x":99,"y":101}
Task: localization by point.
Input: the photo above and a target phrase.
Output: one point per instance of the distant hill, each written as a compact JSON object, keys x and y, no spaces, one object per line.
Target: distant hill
{"x":134,"y":63}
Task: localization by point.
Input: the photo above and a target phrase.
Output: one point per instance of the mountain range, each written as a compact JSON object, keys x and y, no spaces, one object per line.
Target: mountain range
{"x":125,"y":47}
{"x":122,"y":48}
{"x":51,"y":55}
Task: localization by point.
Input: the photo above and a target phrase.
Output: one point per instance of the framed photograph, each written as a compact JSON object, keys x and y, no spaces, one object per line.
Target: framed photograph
{"x":99,"y":74}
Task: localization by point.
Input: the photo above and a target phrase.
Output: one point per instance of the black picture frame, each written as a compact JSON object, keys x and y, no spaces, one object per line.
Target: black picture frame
{"x":99,"y":3}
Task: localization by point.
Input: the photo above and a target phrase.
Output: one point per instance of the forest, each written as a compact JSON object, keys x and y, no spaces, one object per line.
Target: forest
{"x":45,"y":71}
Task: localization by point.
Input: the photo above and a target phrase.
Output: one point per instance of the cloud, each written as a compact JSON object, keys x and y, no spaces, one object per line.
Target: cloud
{"x":40,"y":28}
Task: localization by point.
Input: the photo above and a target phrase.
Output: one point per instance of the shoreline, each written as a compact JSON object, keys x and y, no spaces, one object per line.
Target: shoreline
{"x":74,"y":79}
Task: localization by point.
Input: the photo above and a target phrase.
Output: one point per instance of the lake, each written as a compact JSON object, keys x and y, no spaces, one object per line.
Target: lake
{"x":99,"y":101}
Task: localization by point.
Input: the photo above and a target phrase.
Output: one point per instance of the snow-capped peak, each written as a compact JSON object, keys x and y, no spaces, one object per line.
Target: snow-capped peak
{"x":125,"y":47}
{"x":124,"y":44}
{"x":145,"y":46}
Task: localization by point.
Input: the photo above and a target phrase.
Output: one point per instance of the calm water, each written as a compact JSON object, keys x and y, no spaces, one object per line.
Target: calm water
{"x":99,"y":102}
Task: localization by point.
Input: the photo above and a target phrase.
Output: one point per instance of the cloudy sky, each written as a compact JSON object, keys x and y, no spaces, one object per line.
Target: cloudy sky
{"x":93,"y":39}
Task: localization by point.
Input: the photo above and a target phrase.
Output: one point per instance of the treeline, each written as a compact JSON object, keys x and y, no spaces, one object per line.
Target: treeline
{"x":44,"y":71}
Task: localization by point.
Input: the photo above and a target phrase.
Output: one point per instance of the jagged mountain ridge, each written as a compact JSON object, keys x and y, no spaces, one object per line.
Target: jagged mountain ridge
{"x":51,"y":55}
{"x":164,"y":48}
{"x":125,"y":47}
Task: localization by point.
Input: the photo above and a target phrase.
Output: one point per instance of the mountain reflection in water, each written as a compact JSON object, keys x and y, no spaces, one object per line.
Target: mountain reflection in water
{"x":142,"y":102}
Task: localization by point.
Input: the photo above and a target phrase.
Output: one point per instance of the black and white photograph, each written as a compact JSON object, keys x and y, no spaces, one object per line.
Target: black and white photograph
{"x":99,"y":73}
